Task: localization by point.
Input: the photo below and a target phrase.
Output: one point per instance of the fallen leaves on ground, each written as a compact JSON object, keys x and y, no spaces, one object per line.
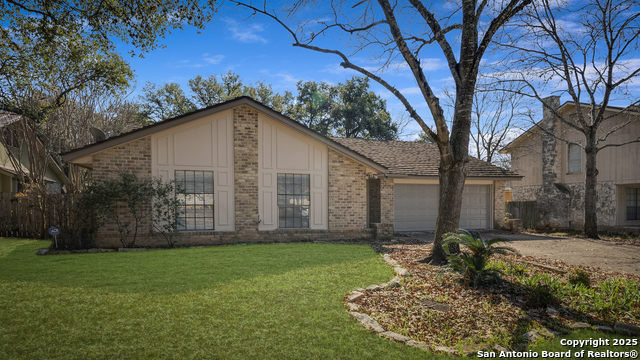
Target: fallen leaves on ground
{"x":494,"y":314}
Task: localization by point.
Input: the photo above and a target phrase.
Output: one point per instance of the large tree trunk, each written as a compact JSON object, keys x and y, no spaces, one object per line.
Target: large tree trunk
{"x":452,"y":177}
{"x":591,"y":195}
{"x":454,"y":156}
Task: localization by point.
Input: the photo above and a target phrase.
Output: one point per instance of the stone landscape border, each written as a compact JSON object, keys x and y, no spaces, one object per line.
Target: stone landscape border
{"x":469,"y":350}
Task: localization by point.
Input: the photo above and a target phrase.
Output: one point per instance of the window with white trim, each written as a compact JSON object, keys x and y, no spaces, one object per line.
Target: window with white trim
{"x":574,"y":159}
{"x":195,"y":211}
{"x":293,"y":200}
{"x":633,"y":203}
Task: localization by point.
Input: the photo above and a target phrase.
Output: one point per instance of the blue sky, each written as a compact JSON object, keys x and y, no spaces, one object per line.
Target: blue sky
{"x":260,"y":49}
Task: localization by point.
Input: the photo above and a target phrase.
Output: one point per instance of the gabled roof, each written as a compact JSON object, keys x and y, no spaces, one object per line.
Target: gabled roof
{"x":243,"y":100}
{"x":401,"y":158}
{"x":410,"y":158}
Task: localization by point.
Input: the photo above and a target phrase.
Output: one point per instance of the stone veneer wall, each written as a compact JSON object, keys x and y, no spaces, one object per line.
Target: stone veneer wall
{"x":547,"y":201}
{"x":245,"y":148}
{"x":498,"y":204}
{"x":569,"y":208}
{"x":347,"y":193}
{"x":605,"y":204}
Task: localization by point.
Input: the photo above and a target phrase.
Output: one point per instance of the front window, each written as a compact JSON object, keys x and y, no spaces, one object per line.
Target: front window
{"x":633,"y":203}
{"x":293,"y":200}
{"x":574,"y":159}
{"x":195,"y":211}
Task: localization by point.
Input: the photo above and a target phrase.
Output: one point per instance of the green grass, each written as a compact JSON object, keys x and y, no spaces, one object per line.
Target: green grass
{"x":254,"y":302}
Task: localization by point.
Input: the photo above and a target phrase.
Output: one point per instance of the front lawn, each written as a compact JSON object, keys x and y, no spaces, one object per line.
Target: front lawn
{"x":255,"y":301}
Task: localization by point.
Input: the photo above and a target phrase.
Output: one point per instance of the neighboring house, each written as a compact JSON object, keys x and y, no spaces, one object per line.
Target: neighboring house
{"x":260,"y":176}
{"x":9,"y":180}
{"x":554,"y":170}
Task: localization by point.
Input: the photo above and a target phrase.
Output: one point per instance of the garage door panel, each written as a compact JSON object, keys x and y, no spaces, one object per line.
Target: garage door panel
{"x":416,"y":207}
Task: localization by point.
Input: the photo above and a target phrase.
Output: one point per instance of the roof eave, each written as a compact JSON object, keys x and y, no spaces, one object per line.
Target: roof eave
{"x":149,"y":130}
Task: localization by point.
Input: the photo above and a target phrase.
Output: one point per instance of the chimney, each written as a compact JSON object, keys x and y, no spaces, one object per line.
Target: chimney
{"x":548,"y":197}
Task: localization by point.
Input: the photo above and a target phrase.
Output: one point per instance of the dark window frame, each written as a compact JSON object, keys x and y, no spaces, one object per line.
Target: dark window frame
{"x":196,"y":209}
{"x":632,"y":206}
{"x":294,"y":200}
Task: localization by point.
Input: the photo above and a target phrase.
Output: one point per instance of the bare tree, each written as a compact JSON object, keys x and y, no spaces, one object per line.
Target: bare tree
{"x":92,"y":106}
{"x":406,"y":31}
{"x":585,"y":51}
{"x":497,"y":117}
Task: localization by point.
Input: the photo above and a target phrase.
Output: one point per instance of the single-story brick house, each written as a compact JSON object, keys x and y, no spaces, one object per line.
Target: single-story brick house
{"x":261,"y":176}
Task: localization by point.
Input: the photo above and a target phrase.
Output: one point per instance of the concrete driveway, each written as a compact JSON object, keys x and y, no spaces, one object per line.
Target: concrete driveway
{"x":607,"y":255}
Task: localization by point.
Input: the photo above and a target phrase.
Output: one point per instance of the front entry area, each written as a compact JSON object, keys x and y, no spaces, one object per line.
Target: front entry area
{"x":416,"y":207}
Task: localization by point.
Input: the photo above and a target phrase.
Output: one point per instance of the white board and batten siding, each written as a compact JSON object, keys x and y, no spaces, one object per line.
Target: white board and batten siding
{"x":416,"y":206}
{"x":284,"y":150}
{"x":203,"y":144}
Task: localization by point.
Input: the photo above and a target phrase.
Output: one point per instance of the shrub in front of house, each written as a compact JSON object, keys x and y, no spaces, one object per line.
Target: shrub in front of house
{"x":474,"y":262}
{"x":132,"y":204}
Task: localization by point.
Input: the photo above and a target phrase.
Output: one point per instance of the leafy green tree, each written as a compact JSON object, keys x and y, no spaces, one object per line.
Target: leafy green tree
{"x":360,"y":113}
{"x":50,"y":49}
{"x":164,"y":102}
{"x":314,"y":104}
{"x":347,"y":109}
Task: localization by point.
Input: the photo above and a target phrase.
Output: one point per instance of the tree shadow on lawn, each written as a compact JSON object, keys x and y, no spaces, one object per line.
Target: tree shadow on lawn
{"x":168,"y":271}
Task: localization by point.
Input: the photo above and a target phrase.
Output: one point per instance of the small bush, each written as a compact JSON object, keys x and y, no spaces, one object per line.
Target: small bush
{"x":518,"y":269}
{"x":474,"y":265}
{"x":541,"y":295}
{"x":132,"y":204}
{"x":579,"y":276}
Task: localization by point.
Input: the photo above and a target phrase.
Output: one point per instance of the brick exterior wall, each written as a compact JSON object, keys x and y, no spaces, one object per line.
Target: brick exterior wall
{"x":386,"y":201}
{"x":347,"y":193}
{"x":133,"y":157}
{"x":380,"y":200}
{"x":374,"y":200}
{"x":245,"y":147}
{"x":498,"y":204}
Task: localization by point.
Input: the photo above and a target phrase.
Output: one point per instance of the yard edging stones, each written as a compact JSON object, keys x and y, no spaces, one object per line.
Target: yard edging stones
{"x":531,"y":336}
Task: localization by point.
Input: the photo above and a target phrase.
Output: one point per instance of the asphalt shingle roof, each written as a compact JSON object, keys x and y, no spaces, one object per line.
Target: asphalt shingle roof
{"x":413,"y":158}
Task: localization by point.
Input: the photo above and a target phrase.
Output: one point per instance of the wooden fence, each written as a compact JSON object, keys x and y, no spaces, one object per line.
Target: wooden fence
{"x":21,"y":218}
{"x":524,"y":210}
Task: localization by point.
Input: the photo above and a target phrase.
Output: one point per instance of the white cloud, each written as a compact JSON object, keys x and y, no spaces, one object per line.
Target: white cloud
{"x":213,"y":60}
{"x":206,"y":60}
{"x":411,"y":91}
{"x":246,"y":32}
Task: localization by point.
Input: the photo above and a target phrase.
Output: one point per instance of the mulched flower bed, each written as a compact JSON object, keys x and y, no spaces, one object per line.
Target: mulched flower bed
{"x":432,"y":306}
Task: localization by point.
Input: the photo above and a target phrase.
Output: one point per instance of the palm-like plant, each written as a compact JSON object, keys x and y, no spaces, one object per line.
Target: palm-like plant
{"x":474,"y":263}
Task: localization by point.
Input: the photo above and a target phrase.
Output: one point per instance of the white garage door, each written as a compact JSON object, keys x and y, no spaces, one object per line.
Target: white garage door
{"x":416,"y":207}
